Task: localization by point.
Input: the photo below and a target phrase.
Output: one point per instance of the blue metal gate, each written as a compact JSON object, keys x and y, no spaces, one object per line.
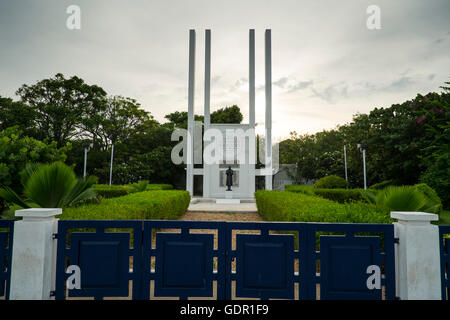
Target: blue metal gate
{"x":6,"y":242}
{"x":225,"y":260}
{"x":444,"y":243}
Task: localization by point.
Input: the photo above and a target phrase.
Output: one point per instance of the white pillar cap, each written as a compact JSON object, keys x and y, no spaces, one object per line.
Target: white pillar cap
{"x":33,"y":213}
{"x":414,"y":216}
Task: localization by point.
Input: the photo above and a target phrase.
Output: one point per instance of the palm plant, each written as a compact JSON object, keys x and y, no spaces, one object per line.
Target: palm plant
{"x":403,"y":198}
{"x":50,"y":186}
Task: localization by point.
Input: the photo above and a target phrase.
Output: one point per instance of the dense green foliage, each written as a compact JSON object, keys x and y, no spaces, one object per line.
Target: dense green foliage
{"x":136,"y":206}
{"x":50,"y":186}
{"x":289,"y":206}
{"x":407,"y":143}
{"x":331,"y":182}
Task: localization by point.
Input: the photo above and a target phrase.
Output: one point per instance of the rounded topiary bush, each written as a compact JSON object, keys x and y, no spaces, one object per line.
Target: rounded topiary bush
{"x":331,"y":182}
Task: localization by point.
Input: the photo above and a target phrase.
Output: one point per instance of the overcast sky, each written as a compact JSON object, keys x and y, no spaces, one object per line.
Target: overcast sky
{"x":327,"y":65}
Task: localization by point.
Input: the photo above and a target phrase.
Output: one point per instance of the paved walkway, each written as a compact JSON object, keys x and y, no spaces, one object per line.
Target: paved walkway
{"x":218,"y":216}
{"x":213,"y":207}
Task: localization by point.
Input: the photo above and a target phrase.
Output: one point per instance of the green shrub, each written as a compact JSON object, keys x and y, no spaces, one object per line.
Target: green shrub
{"x":341,"y":195}
{"x":289,"y":206}
{"x":331,"y":182}
{"x":157,"y":205}
{"x":155,"y":186}
{"x":299,"y":188}
{"x":383,"y":184}
{"x":338,"y":195}
{"x":113,"y":191}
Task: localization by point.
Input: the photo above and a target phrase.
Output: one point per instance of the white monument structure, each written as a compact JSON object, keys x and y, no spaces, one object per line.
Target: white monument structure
{"x":239,"y":140}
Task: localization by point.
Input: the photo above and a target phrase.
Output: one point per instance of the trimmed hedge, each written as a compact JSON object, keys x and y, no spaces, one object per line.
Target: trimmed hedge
{"x":289,"y":206}
{"x":341,"y":195}
{"x":159,"y":187}
{"x":299,"y":188}
{"x":157,"y":204}
{"x":113,"y":191}
{"x":331,"y":182}
{"x":338,"y":195}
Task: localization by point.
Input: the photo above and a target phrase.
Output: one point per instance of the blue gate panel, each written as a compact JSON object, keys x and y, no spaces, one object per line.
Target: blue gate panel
{"x":184,"y":265}
{"x":3,"y":260}
{"x":264,"y":262}
{"x":103,"y":263}
{"x":6,"y":242}
{"x":265,"y":266}
{"x":343,"y":266}
{"x":103,"y":258}
{"x":444,"y":243}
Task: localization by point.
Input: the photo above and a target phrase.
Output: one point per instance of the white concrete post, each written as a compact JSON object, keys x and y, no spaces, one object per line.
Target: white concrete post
{"x":190,"y":138}
{"x":251,"y":78}
{"x":418,"y":268}
{"x":33,"y":258}
{"x":268,"y":120}
{"x":207,"y":103}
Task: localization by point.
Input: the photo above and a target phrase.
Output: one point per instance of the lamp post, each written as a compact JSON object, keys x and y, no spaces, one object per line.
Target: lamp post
{"x":87,"y":146}
{"x":362,"y":147}
{"x":110,"y":169}
{"x":345,"y":163}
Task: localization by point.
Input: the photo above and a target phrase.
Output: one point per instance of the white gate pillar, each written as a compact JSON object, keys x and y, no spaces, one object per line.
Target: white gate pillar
{"x":34,"y":254}
{"x":418,"y":267}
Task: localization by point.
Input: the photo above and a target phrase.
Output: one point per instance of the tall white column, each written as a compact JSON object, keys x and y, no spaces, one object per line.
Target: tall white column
{"x":34,"y":257}
{"x":251,"y":78}
{"x":418,"y":267}
{"x":190,"y":138}
{"x":207,"y":107}
{"x":268,"y":119}
{"x":207,"y":78}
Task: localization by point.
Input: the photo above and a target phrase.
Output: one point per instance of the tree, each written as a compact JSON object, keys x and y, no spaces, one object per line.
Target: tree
{"x":227,"y":115}
{"x":224,"y":115}
{"x":17,"y":150}
{"x":179,"y":119}
{"x":61,"y":104}
{"x":117,"y":121}
{"x":15,"y":113}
